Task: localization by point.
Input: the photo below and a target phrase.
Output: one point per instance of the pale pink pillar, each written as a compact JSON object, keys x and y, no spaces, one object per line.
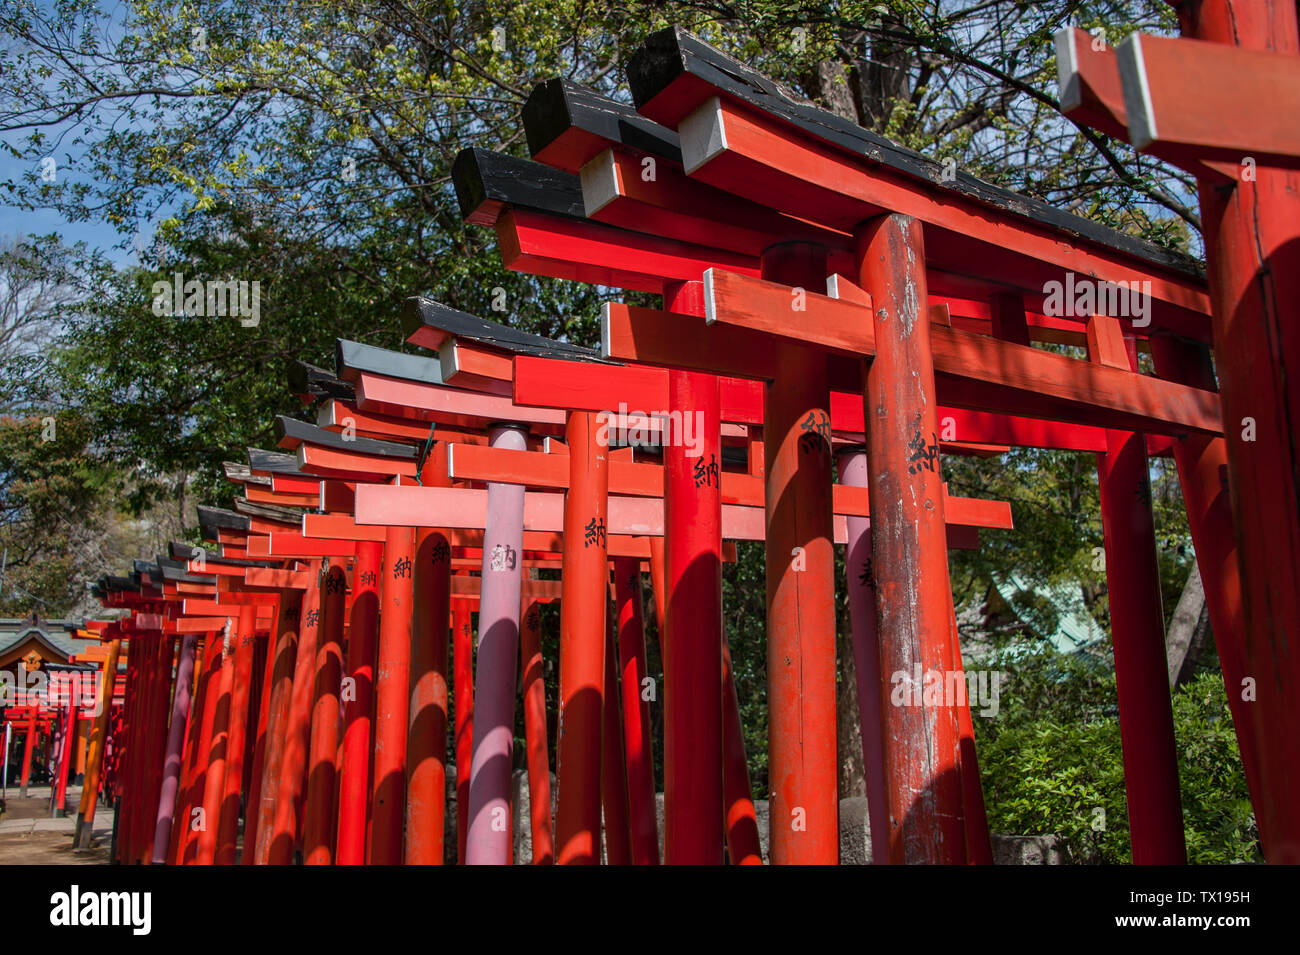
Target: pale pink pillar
{"x":162,"y":831}
{"x":488,"y":839}
{"x":866,"y":653}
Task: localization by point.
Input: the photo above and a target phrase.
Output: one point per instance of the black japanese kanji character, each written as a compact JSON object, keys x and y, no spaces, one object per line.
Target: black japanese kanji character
{"x":441,"y":552}
{"x":866,"y":577}
{"x":334,"y":584}
{"x":1143,"y":492}
{"x":923,"y":455}
{"x":312,"y":617}
{"x":707,"y":474}
{"x":594,"y":532}
{"x":369,"y":578}
{"x":402,"y":568}
{"x":816,"y":430}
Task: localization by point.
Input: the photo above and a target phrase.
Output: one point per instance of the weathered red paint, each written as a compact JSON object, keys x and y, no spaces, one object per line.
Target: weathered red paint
{"x":909,"y":555}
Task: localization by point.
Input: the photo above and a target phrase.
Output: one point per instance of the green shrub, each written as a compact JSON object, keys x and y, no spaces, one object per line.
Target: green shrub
{"x":1051,"y":762}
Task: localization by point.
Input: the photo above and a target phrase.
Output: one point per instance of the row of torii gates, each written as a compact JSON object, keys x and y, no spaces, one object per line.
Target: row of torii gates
{"x":837,"y":316}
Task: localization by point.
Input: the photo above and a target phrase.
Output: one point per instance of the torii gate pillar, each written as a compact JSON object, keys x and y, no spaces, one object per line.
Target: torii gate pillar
{"x":909,"y":550}
{"x":803,"y":768}
{"x":1252,"y":252}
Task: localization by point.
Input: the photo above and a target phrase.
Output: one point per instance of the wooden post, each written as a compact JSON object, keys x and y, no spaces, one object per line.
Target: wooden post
{"x":189,"y":757}
{"x":130,"y":767}
{"x":265,"y":663}
{"x":909,"y":549}
{"x":29,"y":743}
{"x":803,"y":768}
{"x":196,"y":819}
{"x":1252,"y":245}
{"x":582,"y":643}
{"x":1202,"y":464}
{"x":1146,"y":719}
{"x":60,"y":788}
{"x":291,"y":786}
{"x":175,"y":740}
{"x":218,"y":751}
{"x":392,"y":697}
{"x":273,"y":669}
{"x":322,"y":767}
{"x":740,"y":820}
{"x":613,"y":767}
{"x":245,"y":651}
{"x":533,"y":690}
{"x":693,"y":777}
{"x":979,"y":844}
{"x":166,"y":649}
{"x":155,"y":754}
{"x":277,"y":718}
{"x":860,"y":583}
{"x":498,"y":648}
{"x":354,"y":768}
{"x":637,"y":744}
{"x":463,"y":647}
{"x":426,"y":749}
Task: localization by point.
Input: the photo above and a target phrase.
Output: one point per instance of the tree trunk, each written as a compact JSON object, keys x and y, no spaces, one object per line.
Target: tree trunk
{"x":1187,"y":630}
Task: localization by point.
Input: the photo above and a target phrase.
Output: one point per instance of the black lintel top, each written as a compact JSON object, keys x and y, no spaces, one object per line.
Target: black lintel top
{"x":672,"y":52}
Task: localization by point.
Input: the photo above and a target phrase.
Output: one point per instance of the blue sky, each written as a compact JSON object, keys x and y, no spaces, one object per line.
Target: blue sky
{"x":20,"y":222}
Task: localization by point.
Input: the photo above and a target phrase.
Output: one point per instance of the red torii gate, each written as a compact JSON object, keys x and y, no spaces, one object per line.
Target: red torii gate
{"x":739,"y":149}
{"x":1170,"y":98}
{"x":812,"y":266}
